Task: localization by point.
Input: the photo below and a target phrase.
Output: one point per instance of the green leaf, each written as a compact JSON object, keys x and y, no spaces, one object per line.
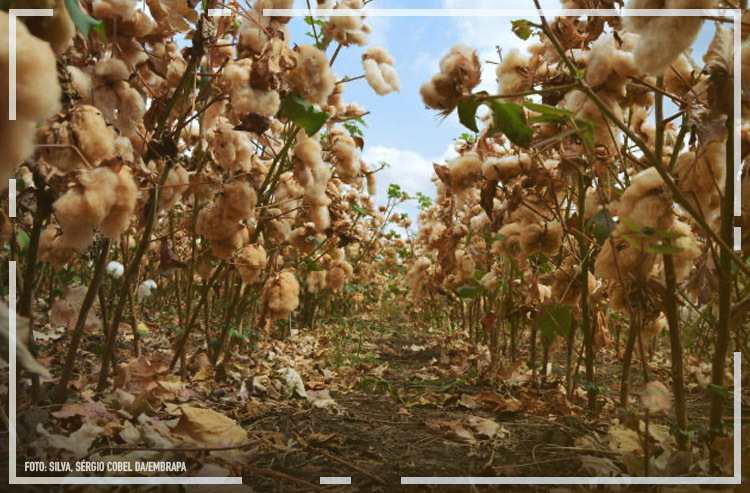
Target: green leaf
{"x":548,"y":113}
{"x":601,"y":225}
{"x":360,"y":210}
{"x":302,"y":113}
{"x":469,"y":292}
{"x":510,"y":119}
{"x":467,"y":112}
{"x":82,"y":21}
{"x":553,"y":320}
{"x":313,"y":266}
{"x":23,"y":239}
{"x":521,"y":28}
{"x":664,"y":249}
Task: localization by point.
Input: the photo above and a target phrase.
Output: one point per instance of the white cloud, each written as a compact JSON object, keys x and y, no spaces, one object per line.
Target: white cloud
{"x":408,"y":169}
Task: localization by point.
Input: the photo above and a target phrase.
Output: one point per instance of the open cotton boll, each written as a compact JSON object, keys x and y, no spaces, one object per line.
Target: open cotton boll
{"x":121,"y":212}
{"x":316,"y":281}
{"x":506,"y":167}
{"x":512,"y":73}
{"x":618,"y":260}
{"x":745,"y":54}
{"x":346,"y":155}
{"x":465,"y":264}
{"x":177,"y":183}
{"x":312,"y":78}
{"x":465,"y":171}
{"x":37,"y":94}
{"x":460,"y":72}
{"x":250,"y":262}
{"x":281,"y":295}
{"x":244,"y":98}
{"x":646,"y":203}
{"x":338,"y":274}
{"x":663,"y":39}
{"x":348,"y":30}
{"x":52,"y":248}
{"x":701,"y":179}
{"x":680,"y":76}
{"x":545,"y":238}
{"x":121,"y":104}
{"x":115,"y":270}
{"x":690,"y":250}
{"x":379,"y":71}
{"x":238,"y":201}
{"x":610,"y":64}
{"x":145,"y":289}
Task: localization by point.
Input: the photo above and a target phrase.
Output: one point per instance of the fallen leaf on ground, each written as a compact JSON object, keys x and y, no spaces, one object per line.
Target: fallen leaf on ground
{"x":210,"y":427}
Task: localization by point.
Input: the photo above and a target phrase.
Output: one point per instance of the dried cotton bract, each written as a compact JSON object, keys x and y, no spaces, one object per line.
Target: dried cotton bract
{"x":379,"y":71}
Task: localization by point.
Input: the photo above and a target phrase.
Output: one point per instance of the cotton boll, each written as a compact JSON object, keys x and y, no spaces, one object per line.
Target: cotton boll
{"x":93,"y":137}
{"x":506,"y":167}
{"x":212,"y":224}
{"x":465,"y":171}
{"x":145,"y":289}
{"x":606,"y":133}
{"x":316,"y":281}
{"x":312,"y":78}
{"x":512,"y":73}
{"x":121,"y":211}
{"x":460,"y":72}
{"x":238,"y":201}
{"x":610,"y":65}
{"x":115,"y":270}
{"x":281,"y":295}
{"x":226,"y":246}
{"x":347,"y":157}
{"x":379,"y":71}
{"x":646,"y":203}
{"x":320,"y":216}
{"x":701,"y":179}
{"x":338,"y":274}
{"x":679,"y":77}
{"x":250,"y":262}
{"x":690,"y":250}
{"x":663,"y":39}
{"x":509,"y":244}
{"x":177,"y":183}
{"x":545,"y":238}
{"x":37,"y":94}
{"x":618,"y":260}
{"x":348,"y":30}
{"x":52,"y":248}
{"x":122,"y":105}
{"x":465,"y":264}
{"x":371,"y":184}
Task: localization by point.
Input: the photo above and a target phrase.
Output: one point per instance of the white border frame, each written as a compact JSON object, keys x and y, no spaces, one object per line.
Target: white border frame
{"x":110,"y":480}
{"x":736,"y":14}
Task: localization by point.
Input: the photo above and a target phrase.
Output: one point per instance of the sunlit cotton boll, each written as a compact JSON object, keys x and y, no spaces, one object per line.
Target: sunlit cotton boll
{"x":115,"y":270}
{"x":145,"y":289}
{"x":379,"y":71}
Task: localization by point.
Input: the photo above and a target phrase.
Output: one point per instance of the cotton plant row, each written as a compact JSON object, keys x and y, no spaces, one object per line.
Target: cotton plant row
{"x":579,"y":197}
{"x":162,"y":147}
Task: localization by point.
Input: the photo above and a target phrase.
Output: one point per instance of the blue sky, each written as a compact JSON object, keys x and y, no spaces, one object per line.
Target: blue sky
{"x":400,"y":129}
